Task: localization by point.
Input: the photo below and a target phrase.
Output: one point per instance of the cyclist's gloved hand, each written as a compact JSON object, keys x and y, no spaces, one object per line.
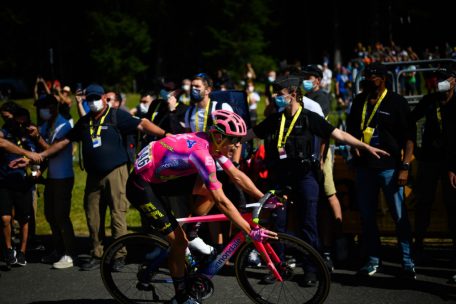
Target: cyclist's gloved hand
{"x":261,"y":234}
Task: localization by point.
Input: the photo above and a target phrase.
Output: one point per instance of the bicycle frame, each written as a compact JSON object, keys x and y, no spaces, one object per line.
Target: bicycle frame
{"x":266,"y":251}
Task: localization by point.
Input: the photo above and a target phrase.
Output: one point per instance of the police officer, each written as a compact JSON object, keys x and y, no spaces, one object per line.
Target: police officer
{"x":288,"y":136}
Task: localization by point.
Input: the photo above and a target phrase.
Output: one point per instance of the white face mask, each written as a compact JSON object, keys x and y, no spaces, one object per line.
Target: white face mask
{"x":271,"y":78}
{"x":45,"y":114}
{"x":96,"y":105}
{"x":143,"y":107}
{"x":250,"y":89}
{"x":186,"y":87}
{"x":443,"y":86}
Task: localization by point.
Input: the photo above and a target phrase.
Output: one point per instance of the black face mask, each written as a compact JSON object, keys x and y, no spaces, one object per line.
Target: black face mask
{"x":369,"y":86}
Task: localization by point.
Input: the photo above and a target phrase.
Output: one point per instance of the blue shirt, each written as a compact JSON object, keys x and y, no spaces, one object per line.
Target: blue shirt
{"x":61,"y":164}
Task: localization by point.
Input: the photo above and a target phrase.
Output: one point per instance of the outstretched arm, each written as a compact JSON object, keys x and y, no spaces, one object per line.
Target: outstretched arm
{"x":352,"y":141}
{"x":149,"y":127}
{"x":12,"y":148}
{"x":54,"y":148}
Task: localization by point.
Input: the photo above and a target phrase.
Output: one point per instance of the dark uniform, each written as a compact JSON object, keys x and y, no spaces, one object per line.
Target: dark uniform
{"x":298,"y":169}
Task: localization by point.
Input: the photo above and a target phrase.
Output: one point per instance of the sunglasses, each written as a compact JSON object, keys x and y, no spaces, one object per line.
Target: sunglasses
{"x":233,"y":140}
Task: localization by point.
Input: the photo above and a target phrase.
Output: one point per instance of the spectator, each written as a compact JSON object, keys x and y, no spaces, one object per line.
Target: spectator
{"x":101,"y":133}
{"x":253,"y":98}
{"x":59,"y":183}
{"x":381,"y":118}
{"x":16,"y":187}
{"x":143,"y":107}
{"x":312,"y":80}
{"x":438,"y":109}
{"x":184,"y":96}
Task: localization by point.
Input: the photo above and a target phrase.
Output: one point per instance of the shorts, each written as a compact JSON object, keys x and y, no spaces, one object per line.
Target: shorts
{"x":152,"y":200}
{"x":21,"y":201}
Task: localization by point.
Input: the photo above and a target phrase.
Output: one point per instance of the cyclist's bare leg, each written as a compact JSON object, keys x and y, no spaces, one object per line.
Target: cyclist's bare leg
{"x":178,"y":243}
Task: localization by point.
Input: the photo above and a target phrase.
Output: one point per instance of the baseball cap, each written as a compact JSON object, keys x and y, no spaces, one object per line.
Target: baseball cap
{"x":94,"y":90}
{"x":290,"y":82}
{"x":376,"y":68}
{"x":67,"y":89}
{"x":313,"y":70}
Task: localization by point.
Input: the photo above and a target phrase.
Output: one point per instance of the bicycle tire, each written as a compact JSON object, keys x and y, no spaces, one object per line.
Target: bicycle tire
{"x":135,"y":282}
{"x":256,"y":281}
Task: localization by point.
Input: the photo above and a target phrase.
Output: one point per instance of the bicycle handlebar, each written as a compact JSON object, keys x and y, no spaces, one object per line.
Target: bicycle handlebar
{"x":259,"y":205}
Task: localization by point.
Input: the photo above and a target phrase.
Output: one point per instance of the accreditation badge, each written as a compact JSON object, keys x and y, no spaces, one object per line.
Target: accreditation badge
{"x":282,"y":153}
{"x":96,"y":142}
{"x":367,"y":135}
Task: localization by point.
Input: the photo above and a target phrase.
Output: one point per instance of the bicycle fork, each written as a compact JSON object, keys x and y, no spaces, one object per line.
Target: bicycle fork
{"x":266,"y":251}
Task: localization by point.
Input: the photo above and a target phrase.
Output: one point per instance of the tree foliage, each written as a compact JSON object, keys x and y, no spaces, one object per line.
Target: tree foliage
{"x":237,"y":43}
{"x":118,"y":45}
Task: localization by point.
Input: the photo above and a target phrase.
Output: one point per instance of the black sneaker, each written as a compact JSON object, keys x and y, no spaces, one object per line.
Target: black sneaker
{"x":10,"y":257}
{"x":92,"y":264}
{"x":310,"y":279}
{"x":20,"y":257}
{"x":118,"y":264}
{"x":328,"y":261}
{"x":408,"y":273}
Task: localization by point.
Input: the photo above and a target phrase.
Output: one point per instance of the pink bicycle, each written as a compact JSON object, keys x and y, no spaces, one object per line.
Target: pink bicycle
{"x":279,"y":277}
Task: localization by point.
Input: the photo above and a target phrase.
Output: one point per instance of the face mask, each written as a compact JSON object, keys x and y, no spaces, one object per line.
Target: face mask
{"x":196,"y":95}
{"x":96,"y":105}
{"x":186,"y":87}
{"x":308,"y":85}
{"x":271,"y":78}
{"x":143,"y":107}
{"x":164,"y":94}
{"x":281,"y":101}
{"x":443,"y":86}
{"x":369,"y":86}
{"x":45,"y":114}
{"x":250,"y":89}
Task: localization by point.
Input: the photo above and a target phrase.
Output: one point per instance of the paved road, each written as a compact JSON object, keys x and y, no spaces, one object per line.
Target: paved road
{"x":38,"y":283}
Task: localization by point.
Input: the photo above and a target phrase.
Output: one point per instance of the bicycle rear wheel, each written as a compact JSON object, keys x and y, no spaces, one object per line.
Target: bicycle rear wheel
{"x":299,"y":262}
{"x":145,"y":278}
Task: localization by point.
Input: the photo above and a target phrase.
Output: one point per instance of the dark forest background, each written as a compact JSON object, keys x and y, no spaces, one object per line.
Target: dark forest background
{"x":131,"y":44}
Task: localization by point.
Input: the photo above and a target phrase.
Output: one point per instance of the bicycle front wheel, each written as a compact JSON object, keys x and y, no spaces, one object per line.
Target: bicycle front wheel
{"x":305,"y":276}
{"x":145,"y":278}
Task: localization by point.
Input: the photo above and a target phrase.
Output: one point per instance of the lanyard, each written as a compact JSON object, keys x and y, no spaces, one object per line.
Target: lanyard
{"x":155,"y":112}
{"x":206,"y":114}
{"x":439,"y":115}
{"x":379,"y":101}
{"x":99,"y":126}
{"x":280,"y":142}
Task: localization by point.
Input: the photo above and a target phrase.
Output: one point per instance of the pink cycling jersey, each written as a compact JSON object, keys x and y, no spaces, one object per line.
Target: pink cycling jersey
{"x":180,"y":155}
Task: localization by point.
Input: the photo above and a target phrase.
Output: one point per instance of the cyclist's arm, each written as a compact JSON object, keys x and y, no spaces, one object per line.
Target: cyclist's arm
{"x":242,"y":180}
{"x":226,"y":207}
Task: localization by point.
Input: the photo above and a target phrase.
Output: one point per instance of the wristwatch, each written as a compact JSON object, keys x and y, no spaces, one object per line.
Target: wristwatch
{"x":405,"y":166}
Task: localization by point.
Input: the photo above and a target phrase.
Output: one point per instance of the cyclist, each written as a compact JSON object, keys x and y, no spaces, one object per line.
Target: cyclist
{"x":182,"y":155}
